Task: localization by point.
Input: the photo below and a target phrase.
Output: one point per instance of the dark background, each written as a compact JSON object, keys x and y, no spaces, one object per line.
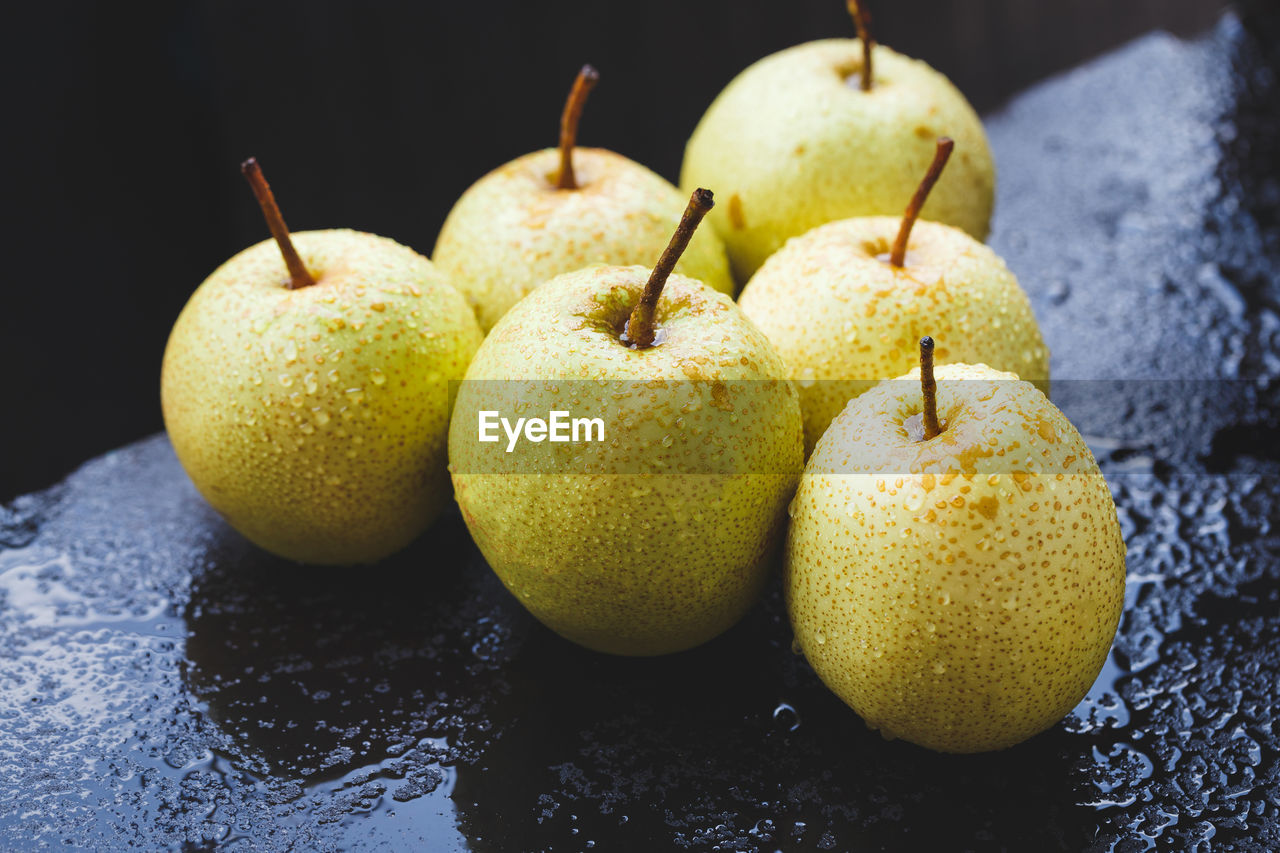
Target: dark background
{"x":125,"y":124}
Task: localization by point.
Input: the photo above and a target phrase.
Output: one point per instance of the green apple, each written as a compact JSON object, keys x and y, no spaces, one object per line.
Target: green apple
{"x":794,"y":142}
{"x":523,"y":224}
{"x":845,"y":303}
{"x":658,"y":536}
{"x":309,"y":399}
{"x":959,"y":591}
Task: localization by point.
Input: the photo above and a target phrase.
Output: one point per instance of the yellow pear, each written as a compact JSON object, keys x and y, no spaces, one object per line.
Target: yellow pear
{"x":959,"y":591}
{"x":795,"y":141}
{"x":559,"y":210}
{"x":657,"y":533}
{"x":305,"y":390}
{"x":844,"y":316}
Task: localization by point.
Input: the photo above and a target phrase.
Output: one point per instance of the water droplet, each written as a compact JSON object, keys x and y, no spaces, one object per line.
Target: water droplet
{"x":377,"y":376}
{"x":914,"y":499}
{"x":290,"y":352}
{"x":286,"y":380}
{"x":310,"y":382}
{"x":786,"y":716}
{"x":667,"y":441}
{"x":256,"y":379}
{"x":322,"y":417}
{"x":939,"y":667}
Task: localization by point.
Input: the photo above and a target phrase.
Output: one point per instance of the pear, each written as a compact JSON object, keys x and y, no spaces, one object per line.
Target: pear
{"x":957,"y":579}
{"x":658,"y":536}
{"x":796,"y":141}
{"x":845,"y":303}
{"x":559,"y":210}
{"x":309,"y":400}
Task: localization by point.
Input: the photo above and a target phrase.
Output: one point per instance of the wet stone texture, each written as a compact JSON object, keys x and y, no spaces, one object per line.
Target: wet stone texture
{"x":165,"y":685}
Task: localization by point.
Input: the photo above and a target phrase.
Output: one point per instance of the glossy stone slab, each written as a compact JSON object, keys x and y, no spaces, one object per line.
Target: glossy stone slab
{"x":165,"y":685}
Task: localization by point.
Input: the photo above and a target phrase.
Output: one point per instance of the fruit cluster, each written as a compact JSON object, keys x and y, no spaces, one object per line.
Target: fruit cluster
{"x":953,"y":564}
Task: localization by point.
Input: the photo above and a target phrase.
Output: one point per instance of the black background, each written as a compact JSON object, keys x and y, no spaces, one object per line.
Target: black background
{"x":125,"y":124}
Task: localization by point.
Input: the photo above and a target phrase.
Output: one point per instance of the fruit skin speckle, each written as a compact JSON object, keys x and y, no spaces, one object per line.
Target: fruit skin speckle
{"x":660,"y":537}
{"x":960,"y":593}
{"x":514,"y":229}
{"x":315,"y":420}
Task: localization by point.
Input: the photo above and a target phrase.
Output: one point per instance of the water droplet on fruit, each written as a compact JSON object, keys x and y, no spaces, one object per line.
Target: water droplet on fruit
{"x":322,"y":417}
{"x":939,"y":667}
{"x":667,"y":441}
{"x":377,"y":376}
{"x":286,"y":380}
{"x":914,"y":499}
{"x":310,"y":382}
{"x":290,"y":352}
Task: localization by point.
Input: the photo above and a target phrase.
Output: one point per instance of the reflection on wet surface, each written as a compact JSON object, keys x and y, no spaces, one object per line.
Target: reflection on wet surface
{"x":164,"y":684}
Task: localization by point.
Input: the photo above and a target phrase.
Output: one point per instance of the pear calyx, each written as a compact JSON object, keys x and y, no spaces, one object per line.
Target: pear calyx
{"x":298,"y":275}
{"x":640,"y":332}
{"x":569,"y":118}
{"x":899,"y":254}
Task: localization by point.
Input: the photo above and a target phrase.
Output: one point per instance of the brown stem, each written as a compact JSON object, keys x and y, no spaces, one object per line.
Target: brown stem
{"x":929,"y":389}
{"x":582,"y":86}
{"x":862,"y":20}
{"x":640,"y":331}
{"x":298,"y":275}
{"x":899,"y":254}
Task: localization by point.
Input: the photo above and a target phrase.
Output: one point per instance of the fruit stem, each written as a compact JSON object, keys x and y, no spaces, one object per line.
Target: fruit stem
{"x":298,"y":275}
{"x":929,"y":389}
{"x":640,"y":331}
{"x":899,"y":255}
{"x":862,"y":20}
{"x":582,"y":86}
